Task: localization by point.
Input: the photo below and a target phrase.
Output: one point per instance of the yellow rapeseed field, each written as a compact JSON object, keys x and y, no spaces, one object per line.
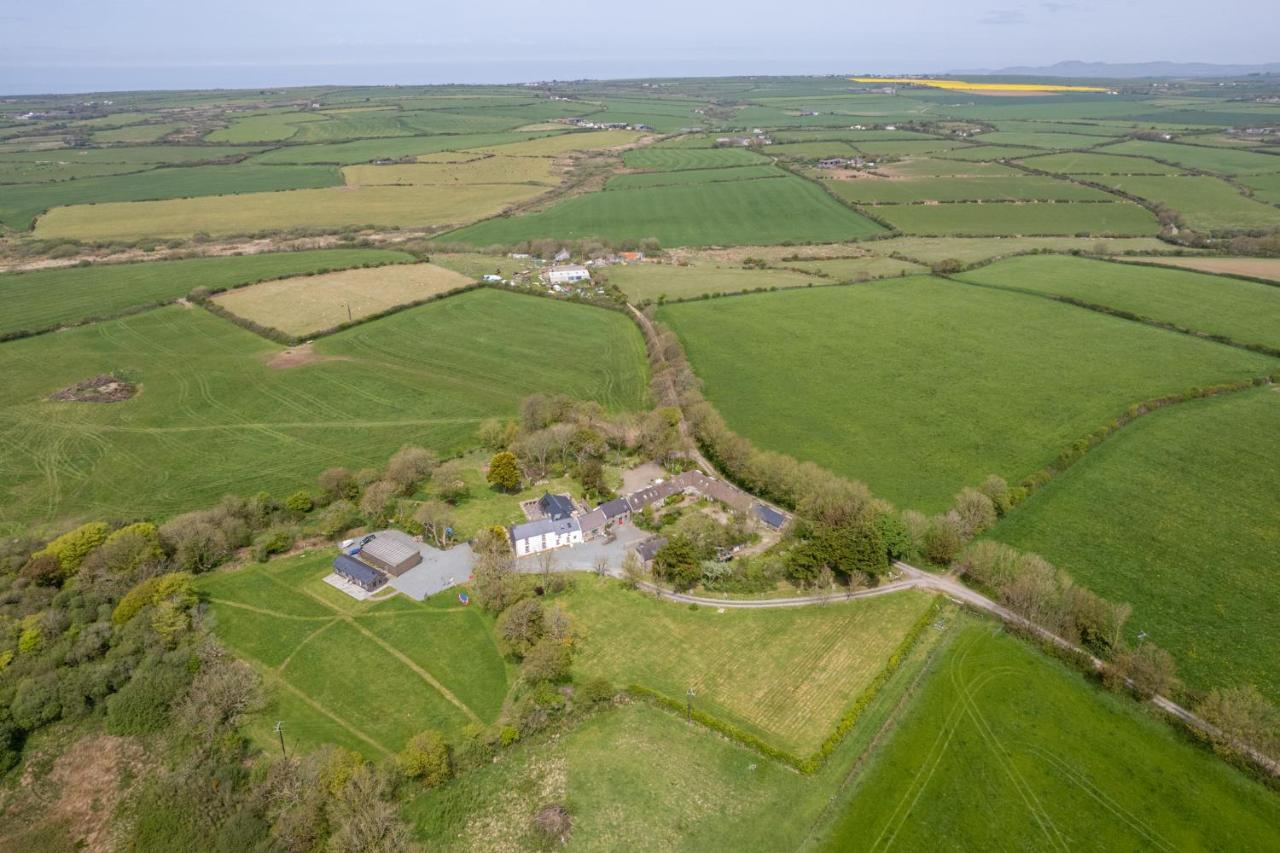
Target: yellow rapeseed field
{"x":964,"y":85}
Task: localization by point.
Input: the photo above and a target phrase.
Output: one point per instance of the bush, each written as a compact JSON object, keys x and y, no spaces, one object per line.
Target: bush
{"x":408,"y":466}
{"x":1242,"y":715}
{"x":520,"y":627}
{"x":272,"y":542}
{"x":299,"y":502}
{"x":72,"y":547}
{"x":338,"y":484}
{"x":1150,"y":670}
{"x":450,"y":481}
{"x":175,"y":587}
{"x":504,"y":471}
{"x":548,"y":660}
{"x":426,"y":758}
{"x":595,"y":691}
{"x":129,"y":548}
{"x":943,"y":539}
{"x":553,"y":823}
{"x":337,"y":518}
{"x":142,"y":705}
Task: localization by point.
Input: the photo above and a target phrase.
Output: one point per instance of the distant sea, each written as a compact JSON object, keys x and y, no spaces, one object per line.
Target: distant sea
{"x":60,"y":79}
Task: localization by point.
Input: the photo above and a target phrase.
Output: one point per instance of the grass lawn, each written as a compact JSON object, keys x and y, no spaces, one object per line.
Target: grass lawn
{"x":1205,"y":203}
{"x":368,"y":675}
{"x":995,"y":188}
{"x":787,"y":674}
{"x":332,"y":208}
{"x":1179,"y":515}
{"x":22,"y":203}
{"x":1240,"y":310}
{"x":1120,"y":219}
{"x":919,"y":386}
{"x":1225,"y":160}
{"x":44,"y":299}
{"x":307,"y":304}
{"x":214,"y":416}
{"x":720,"y":213}
{"x":656,"y":281}
{"x":1005,"y":749}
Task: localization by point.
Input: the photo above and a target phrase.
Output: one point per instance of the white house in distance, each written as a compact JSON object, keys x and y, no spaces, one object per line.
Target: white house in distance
{"x":545,"y":534}
{"x":568,"y":274}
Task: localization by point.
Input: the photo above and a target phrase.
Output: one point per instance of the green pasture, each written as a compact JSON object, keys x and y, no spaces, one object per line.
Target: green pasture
{"x":1042,"y":139}
{"x":1225,"y":160}
{"x":920,"y":386}
{"x":327,"y":663}
{"x":1242,"y":311}
{"x":1090,"y":163}
{"x":972,"y":250}
{"x":934,"y":167}
{"x":1178,"y":515}
{"x":967,"y":219}
{"x":390,"y":148}
{"x":135,"y":154}
{"x":856,"y":269}
{"x":909,"y":147}
{"x":720,"y":213}
{"x":686,"y":177}
{"x":1205,"y":203}
{"x":996,"y":188}
{"x":812,"y":150}
{"x":674,"y":159}
{"x":137,"y":133}
{"x":22,"y":203}
{"x":988,"y":152}
{"x":666,"y":281}
{"x":267,"y":127}
{"x":213,"y":415}
{"x":44,"y":299}
{"x":1006,"y":749}
{"x":1265,"y":187}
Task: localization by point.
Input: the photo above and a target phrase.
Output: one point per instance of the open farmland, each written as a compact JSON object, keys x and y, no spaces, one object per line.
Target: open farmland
{"x":566,"y":143}
{"x":1010,"y":188}
{"x":1242,"y":311}
{"x":334,"y":208}
{"x":1204,"y":203}
{"x":485,"y":170}
{"x":675,"y":159}
{"x":1119,"y":219}
{"x":688,"y":177}
{"x":1178,"y":514}
{"x":293,"y":628}
{"x":786,"y":675}
{"x":972,"y":250}
{"x":214,"y":416}
{"x":1090,"y":163}
{"x":390,"y":148}
{"x":856,"y":269}
{"x":1264,"y":268}
{"x":920,"y":386}
{"x":20,"y":204}
{"x":719,"y":213}
{"x":1004,"y":748}
{"x":666,"y":281}
{"x":1225,"y":160}
{"x":45,"y":299}
{"x":309,"y":304}
{"x":1265,"y":187}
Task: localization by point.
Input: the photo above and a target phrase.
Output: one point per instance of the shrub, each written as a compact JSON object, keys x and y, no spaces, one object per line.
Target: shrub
{"x":339,"y":484}
{"x":548,"y":660}
{"x":976,"y":511}
{"x":43,"y":570}
{"x":595,"y":690}
{"x":504,"y":471}
{"x":450,"y":481}
{"x":553,"y":823}
{"x":943,"y":538}
{"x":426,"y":758}
{"x":337,"y":518}
{"x":1150,"y":670}
{"x":299,"y":502}
{"x":72,"y":547}
{"x":175,"y":587}
{"x":129,"y":547}
{"x":142,"y":705}
{"x":1242,"y":715}
{"x":272,"y":542}
{"x":520,"y":627}
{"x":408,"y":466}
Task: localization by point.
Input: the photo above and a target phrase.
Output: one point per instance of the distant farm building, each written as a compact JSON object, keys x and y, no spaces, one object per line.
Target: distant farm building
{"x":392,"y":556}
{"x":353,"y":571}
{"x":568,"y":274}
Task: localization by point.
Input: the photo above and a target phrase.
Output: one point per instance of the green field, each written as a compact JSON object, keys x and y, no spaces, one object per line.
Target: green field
{"x":1225,"y":160}
{"x":1240,"y":310}
{"x":1265,"y":187}
{"x":1120,"y":219}
{"x":999,"y":188}
{"x":1205,"y":203}
{"x":929,"y":167}
{"x":856,"y":269}
{"x":1178,"y":514}
{"x":268,"y":127}
{"x":44,"y":299}
{"x":1047,"y":139}
{"x":1004,"y":749}
{"x":920,"y":386}
{"x":330,"y":209}
{"x":325,"y":657}
{"x":368,"y":150}
{"x":971,"y":250}
{"x":21,"y":204}
{"x":666,"y":281}
{"x":214,"y":417}
{"x":723,"y":213}
{"x":675,"y":159}
{"x":685,"y":177}
{"x":1088,"y":163}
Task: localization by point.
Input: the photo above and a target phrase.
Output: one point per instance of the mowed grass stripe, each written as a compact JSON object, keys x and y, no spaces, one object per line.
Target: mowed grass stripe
{"x":919,"y":386}
{"x":44,"y":299}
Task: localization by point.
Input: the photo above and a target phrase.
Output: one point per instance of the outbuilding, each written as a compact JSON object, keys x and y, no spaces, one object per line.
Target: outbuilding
{"x":568,"y":274}
{"x":392,"y":555}
{"x":770,"y":516}
{"x":556,"y":507}
{"x":352,"y":570}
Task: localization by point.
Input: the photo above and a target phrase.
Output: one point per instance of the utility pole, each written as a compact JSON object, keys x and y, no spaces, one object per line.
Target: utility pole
{"x":280,"y":731}
{"x":348,"y":304}
{"x":689,"y":703}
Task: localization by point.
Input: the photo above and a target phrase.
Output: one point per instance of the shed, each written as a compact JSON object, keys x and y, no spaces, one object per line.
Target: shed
{"x":556,"y":507}
{"x":592,"y":522}
{"x":358,"y":573}
{"x":392,"y":555}
{"x":770,"y":516}
{"x":649,"y":548}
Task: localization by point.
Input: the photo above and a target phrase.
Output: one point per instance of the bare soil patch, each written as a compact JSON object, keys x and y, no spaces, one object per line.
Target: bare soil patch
{"x":298,"y":356}
{"x":1268,"y":268}
{"x":100,"y":389}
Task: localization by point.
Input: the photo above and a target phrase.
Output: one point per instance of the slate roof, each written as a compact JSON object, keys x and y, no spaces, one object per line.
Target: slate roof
{"x":614,"y":508}
{"x":593,"y":521}
{"x":557,"y":507}
{"x":543,"y":526}
{"x":647,"y":549}
{"x":770,"y":516}
{"x":352,"y":568}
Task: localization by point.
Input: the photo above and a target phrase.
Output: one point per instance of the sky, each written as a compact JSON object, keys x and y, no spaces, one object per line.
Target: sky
{"x":102,"y":45}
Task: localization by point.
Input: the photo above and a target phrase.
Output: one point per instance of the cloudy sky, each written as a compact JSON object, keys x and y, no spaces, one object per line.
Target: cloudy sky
{"x":84,"y":45}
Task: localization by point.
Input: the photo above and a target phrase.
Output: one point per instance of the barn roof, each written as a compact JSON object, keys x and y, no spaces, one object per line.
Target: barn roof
{"x":356,"y":570}
{"x":556,"y":507}
{"x":770,"y":516}
{"x":388,"y":550}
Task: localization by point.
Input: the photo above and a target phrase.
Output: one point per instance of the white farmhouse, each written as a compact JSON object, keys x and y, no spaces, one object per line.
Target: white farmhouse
{"x":545,"y":534}
{"x":568,"y":274}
